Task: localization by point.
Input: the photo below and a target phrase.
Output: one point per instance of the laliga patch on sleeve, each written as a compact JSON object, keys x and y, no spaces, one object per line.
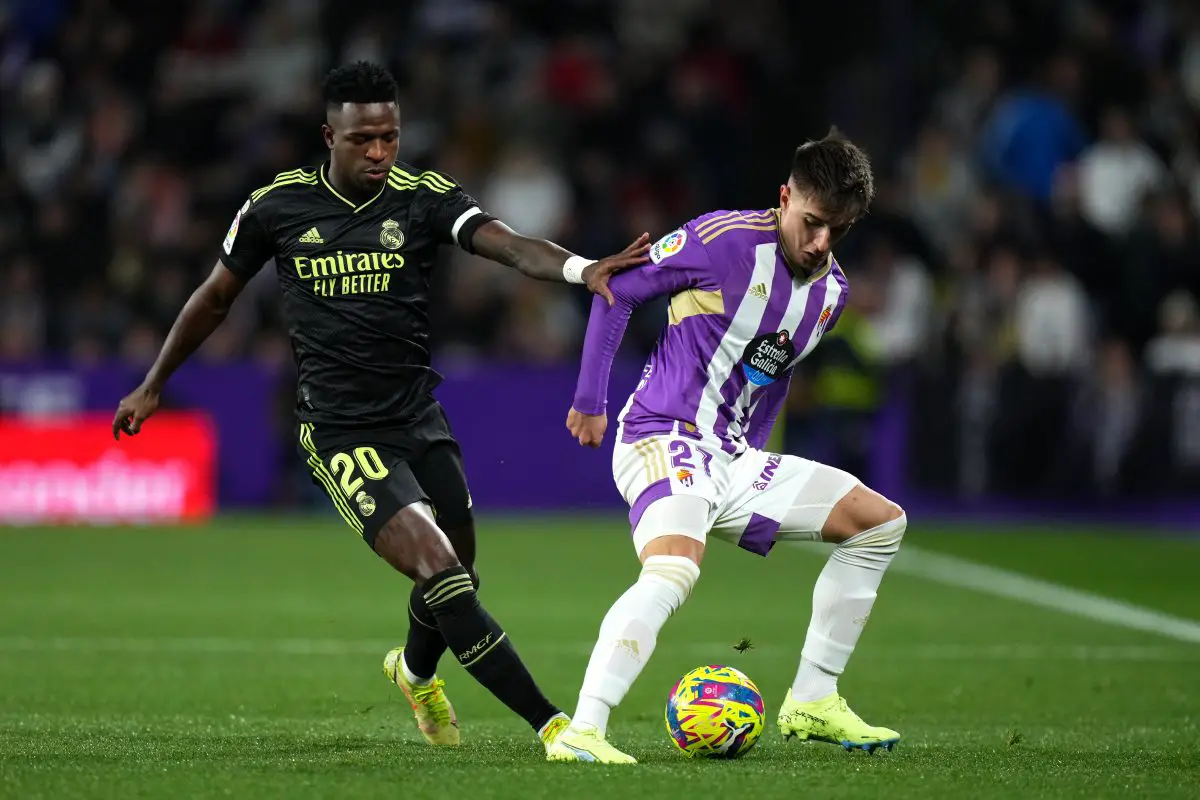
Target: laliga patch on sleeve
{"x":233,"y":229}
{"x":668,"y":246}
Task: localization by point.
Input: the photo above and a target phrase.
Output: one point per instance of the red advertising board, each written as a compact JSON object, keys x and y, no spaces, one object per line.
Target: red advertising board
{"x":70,"y":470}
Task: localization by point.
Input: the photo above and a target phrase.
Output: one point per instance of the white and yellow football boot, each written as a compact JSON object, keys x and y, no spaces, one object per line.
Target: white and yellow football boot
{"x":553,"y":729}
{"x":831,"y":720}
{"x":587,"y":746}
{"x":435,"y":716}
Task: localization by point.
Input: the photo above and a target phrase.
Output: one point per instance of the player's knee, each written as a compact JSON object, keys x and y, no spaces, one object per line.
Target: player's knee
{"x":675,"y":545}
{"x":462,"y":539}
{"x":893,"y":519}
{"x":874,"y":547}
{"x":677,"y":575}
{"x":413,"y":544}
{"x":860,"y":510}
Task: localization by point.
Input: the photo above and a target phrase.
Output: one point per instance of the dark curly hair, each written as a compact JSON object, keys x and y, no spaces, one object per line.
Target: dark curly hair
{"x":360,"y":82}
{"x":836,"y":173}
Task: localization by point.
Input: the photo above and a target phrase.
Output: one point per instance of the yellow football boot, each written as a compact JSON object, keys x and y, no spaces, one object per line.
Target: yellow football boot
{"x":831,"y":720}
{"x":553,"y":730}
{"x":587,"y":746}
{"x":435,"y":716}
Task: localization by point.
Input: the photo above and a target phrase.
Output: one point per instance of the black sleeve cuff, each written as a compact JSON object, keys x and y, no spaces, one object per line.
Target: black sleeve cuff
{"x":467,"y":232}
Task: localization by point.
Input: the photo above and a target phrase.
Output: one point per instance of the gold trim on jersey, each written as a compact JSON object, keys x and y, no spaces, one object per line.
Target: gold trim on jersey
{"x":402,"y":180}
{"x":694,"y":302}
{"x":821,"y":273}
{"x":737,"y":226}
{"x":654,"y":458}
{"x":338,"y":195}
{"x":301,"y":175}
{"x":733,"y":216}
{"x":322,"y":474}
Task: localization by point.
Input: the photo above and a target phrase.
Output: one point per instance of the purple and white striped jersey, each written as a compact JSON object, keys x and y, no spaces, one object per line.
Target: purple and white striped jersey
{"x":739,"y":320}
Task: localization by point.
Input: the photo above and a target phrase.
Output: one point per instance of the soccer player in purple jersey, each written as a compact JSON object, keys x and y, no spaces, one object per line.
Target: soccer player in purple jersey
{"x":752,"y":292}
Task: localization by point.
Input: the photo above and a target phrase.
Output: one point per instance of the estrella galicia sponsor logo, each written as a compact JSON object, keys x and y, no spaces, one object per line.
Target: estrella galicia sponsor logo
{"x":767,"y":357}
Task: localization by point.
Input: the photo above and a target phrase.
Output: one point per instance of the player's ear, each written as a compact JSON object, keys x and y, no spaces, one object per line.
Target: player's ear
{"x":784,"y":195}
{"x":327,"y":132}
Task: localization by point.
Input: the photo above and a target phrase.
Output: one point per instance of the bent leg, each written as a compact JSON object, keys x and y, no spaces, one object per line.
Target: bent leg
{"x":867,"y":529}
{"x":412,"y":543}
{"x":784,"y":498}
{"x":440,"y":473}
{"x":670,"y":538}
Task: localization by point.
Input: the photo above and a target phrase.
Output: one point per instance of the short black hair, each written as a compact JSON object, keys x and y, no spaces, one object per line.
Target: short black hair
{"x":837,"y":173}
{"x":360,"y":82}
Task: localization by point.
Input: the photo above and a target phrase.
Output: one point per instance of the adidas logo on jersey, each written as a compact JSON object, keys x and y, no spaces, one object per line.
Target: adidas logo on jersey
{"x":311,"y":237}
{"x":759,"y":290}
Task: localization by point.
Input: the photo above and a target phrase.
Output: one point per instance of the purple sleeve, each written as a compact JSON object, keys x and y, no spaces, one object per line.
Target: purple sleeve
{"x":840,"y":277}
{"x":762,"y":419}
{"x":686,"y":268}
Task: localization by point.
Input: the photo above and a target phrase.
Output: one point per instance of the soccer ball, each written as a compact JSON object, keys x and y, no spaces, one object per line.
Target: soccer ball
{"x":714,"y":712}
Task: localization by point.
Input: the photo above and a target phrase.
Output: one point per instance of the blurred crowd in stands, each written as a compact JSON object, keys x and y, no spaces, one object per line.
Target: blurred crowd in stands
{"x":1028,"y":279}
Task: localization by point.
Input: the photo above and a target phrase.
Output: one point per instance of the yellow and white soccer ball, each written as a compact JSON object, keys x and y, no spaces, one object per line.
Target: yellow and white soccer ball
{"x":715,"y":712}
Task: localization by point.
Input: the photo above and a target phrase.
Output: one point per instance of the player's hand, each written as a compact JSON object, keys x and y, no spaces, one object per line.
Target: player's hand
{"x":587,"y":428}
{"x":135,"y":409}
{"x":596,"y":275}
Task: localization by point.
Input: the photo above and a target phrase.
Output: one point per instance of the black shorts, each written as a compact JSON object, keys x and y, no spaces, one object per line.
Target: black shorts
{"x":370,"y":474}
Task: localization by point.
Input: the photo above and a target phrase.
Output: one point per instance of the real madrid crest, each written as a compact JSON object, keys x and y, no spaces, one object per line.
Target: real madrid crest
{"x":391,"y":236}
{"x":366,"y":504}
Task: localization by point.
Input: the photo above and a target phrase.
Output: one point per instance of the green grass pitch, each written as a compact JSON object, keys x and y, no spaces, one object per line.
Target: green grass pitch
{"x":242,"y":659}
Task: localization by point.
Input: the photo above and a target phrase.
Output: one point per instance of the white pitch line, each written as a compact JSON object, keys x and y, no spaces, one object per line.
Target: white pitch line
{"x":959,"y":572}
{"x":208,"y":645}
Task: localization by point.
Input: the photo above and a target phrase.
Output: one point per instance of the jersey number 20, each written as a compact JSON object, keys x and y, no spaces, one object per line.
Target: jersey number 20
{"x":368,"y":461}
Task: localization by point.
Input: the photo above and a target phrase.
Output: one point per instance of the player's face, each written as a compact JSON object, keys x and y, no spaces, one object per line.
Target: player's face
{"x":807,"y":231}
{"x":363,"y":139}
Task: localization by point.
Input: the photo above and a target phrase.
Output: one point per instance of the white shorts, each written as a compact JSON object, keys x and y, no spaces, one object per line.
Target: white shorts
{"x":755,"y":499}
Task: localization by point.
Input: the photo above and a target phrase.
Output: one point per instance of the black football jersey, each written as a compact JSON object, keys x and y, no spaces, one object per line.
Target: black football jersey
{"x":355,"y":281}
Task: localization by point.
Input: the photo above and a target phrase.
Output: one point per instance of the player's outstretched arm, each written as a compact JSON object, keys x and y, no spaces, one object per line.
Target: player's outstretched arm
{"x":677,"y":265}
{"x":546,"y":261}
{"x":588,"y":419}
{"x":204,"y":311}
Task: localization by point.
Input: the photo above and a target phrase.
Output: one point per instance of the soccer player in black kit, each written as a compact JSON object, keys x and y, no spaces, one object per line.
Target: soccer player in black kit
{"x":354,"y":242}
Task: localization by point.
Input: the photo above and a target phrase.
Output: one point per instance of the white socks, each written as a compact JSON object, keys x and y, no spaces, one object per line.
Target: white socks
{"x":628,"y":635}
{"x":411,"y":676}
{"x":842,"y":601}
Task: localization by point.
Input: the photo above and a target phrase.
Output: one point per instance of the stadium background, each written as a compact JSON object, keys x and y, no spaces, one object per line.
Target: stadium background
{"x":1023,"y":330}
